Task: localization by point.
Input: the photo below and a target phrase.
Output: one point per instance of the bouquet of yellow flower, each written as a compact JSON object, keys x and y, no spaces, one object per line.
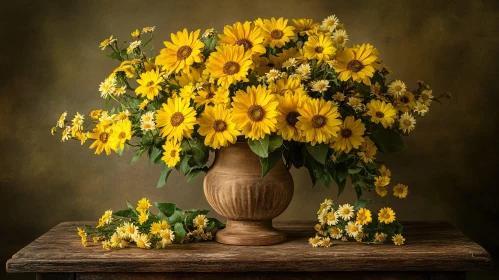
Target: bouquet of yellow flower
{"x":147,"y":230}
{"x":292,"y":90}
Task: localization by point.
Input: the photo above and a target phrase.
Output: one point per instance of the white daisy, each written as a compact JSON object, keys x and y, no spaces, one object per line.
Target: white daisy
{"x":320,"y":85}
{"x":353,"y":229}
{"x":332,"y":218}
{"x":397,"y":88}
{"x":421,"y":108}
{"x":107,"y":87}
{"x":330,"y":23}
{"x":147,"y":117}
{"x":66,"y":134}
{"x":133,"y":46}
{"x":356,"y":104}
{"x":407,"y":122}
{"x":304,"y":71}
{"x":340,"y":38}
{"x":339,"y":96}
{"x":336,"y":233}
{"x":273,"y":75}
{"x":147,"y":126}
{"x":427,"y":96}
{"x":345,"y":211}
{"x":291,"y":62}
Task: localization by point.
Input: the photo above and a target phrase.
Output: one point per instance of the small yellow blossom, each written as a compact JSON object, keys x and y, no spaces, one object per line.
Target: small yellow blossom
{"x":143,"y":205}
{"x":400,"y":191}
{"x":135,"y":33}
{"x":398,"y":239}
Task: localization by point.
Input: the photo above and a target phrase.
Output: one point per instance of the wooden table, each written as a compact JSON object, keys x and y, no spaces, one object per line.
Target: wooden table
{"x":433,"y":250}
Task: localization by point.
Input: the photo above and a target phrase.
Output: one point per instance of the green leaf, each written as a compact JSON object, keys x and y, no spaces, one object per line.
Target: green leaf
{"x":361,"y":203}
{"x":199,"y":152}
{"x":341,"y":187}
{"x":269,"y":162}
{"x":176,"y":217}
{"x":125,"y":213}
{"x":214,"y":224}
{"x":179,"y":233}
{"x":137,"y":155}
{"x":131,"y":208}
{"x":184,"y":163}
{"x":165,"y":172}
{"x":155,"y":152}
{"x":352,"y":171}
{"x":275,"y":142}
{"x":195,"y":172}
{"x":318,"y":152}
{"x":260,"y":146}
{"x":387,"y":140}
{"x":166,"y":208}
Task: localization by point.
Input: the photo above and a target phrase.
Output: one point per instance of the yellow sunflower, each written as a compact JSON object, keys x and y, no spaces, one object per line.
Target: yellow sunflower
{"x":101,"y":134}
{"x":381,"y":112}
{"x":217,"y":126}
{"x":182,"y":52}
{"x":245,"y":34}
{"x":288,"y":116}
{"x":287,"y":85}
{"x":122,"y":131}
{"x":350,"y":136}
{"x":356,"y":63}
{"x":171,"y":154}
{"x":319,"y":121}
{"x":149,"y":84}
{"x":212,"y":95}
{"x":176,"y":119}
{"x":305,"y":26}
{"x":319,"y":47}
{"x":276,"y":32}
{"x":386,"y":215}
{"x":254,"y":112}
{"x":229,"y":64}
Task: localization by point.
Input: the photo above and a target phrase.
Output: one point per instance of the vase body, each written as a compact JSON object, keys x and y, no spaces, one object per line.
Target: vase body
{"x":235,"y":189}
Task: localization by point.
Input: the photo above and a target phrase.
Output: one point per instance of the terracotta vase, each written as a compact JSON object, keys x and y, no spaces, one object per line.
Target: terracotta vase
{"x":234,"y":188}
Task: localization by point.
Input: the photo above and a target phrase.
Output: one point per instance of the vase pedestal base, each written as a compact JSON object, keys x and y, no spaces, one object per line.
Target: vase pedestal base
{"x":250,"y":233}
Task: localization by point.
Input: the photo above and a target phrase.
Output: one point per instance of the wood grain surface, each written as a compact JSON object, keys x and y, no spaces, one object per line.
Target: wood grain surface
{"x":430,"y":246}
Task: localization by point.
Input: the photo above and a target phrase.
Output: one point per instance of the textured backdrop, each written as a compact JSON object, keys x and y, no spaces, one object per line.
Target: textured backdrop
{"x":50,"y":63}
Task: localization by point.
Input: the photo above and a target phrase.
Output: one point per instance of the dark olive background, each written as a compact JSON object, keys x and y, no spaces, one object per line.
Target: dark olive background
{"x":50,"y":63}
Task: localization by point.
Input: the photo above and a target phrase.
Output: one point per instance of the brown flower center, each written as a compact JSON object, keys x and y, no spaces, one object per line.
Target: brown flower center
{"x":346,"y":133}
{"x":380,"y":114}
{"x":292,"y":118}
{"x":276,"y":34}
{"x":256,"y":113}
{"x":150,"y":83}
{"x":103,"y":137}
{"x":318,"y":121}
{"x":398,"y":88}
{"x":173,"y":153}
{"x":231,"y":68}
{"x":176,"y":119}
{"x":245,"y":43}
{"x":407,"y":123}
{"x":404,"y":99}
{"x":319,"y":49}
{"x":122,"y":135}
{"x":219,"y":125}
{"x":183,"y":52}
{"x":355,"y":66}
{"x":210,"y":95}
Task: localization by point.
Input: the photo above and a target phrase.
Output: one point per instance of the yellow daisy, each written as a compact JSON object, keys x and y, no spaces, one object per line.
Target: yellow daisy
{"x":171,"y":154}
{"x":398,"y":239}
{"x":305,"y":26}
{"x":245,"y":34}
{"x":276,"y":32}
{"x":381,"y":112}
{"x":149,"y":84}
{"x":353,"y":229}
{"x":364,"y":216}
{"x":400,"y":191}
{"x":335,"y":232}
{"x":217,"y":126}
{"x":122,"y":132}
{"x":143,"y":104}
{"x":381,"y":183}
{"x":255,"y":112}
{"x":229,"y":64}
{"x":319,"y":47}
{"x":176,"y":119}
{"x":142,"y":241}
{"x":135,"y":33}
{"x":287,"y":85}
{"x":397,"y":88}
{"x":367,"y":150}
{"x":288,"y":116}
{"x":405,"y":103}
{"x":386,"y":215}
{"x":356,"y":63}
{"x":182,"y":52}
{"x":318,"y":120}
{"x":340,"y":38}
{"x":101,"y":134}
{"x":143,"y":217}
{"x":350,"y":136}
{"x":107,"y":42}
{"x":200,"y":221}
{"x":314,"y":241}
{"x":187,"y":91}
{"x":167,"y":237}
{"x":143,"y":205}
